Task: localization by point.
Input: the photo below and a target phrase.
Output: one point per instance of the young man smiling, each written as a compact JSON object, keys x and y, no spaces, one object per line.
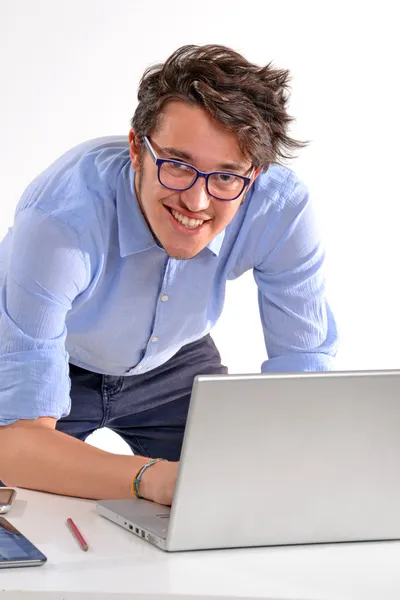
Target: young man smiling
{"x":114,"y":274}
{"x":186,"y":221}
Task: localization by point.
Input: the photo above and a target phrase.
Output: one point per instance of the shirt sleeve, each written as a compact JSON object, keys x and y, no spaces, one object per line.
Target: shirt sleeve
{"x":45,"y":271}
{"x":299,"y":327}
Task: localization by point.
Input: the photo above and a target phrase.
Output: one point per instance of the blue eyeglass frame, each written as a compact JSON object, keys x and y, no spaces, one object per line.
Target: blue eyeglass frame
{"x":160,"y":161}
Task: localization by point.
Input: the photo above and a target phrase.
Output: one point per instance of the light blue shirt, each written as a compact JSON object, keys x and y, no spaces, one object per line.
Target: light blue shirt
{"x":82,"y":280}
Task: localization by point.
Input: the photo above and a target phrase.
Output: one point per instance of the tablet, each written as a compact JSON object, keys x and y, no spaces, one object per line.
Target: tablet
{"x":16,"y":550}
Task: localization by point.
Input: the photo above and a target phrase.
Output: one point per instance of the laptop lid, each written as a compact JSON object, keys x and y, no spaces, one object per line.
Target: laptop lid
{"x":289,"y":458}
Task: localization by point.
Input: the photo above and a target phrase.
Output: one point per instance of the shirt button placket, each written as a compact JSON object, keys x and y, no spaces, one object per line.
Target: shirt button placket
{"x":163,"y":298}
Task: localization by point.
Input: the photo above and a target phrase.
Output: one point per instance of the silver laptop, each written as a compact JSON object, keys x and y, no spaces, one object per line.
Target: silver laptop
{"x":280,"y":459}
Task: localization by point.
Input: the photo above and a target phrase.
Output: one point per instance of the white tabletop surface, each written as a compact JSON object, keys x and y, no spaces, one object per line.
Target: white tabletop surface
{"x":119,"y":565}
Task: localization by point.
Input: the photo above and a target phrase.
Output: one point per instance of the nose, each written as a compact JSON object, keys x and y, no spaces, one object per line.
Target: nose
{"x":196,"y":198}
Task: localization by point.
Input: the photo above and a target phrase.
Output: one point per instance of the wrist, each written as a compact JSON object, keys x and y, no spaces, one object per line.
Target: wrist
{"x":145,"y":481}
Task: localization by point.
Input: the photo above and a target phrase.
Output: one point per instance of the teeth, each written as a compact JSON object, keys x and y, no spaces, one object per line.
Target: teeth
{"x":190,"y":223}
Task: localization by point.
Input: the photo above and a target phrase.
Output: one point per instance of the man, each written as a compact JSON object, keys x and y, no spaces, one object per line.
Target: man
{"x":114,"y":274}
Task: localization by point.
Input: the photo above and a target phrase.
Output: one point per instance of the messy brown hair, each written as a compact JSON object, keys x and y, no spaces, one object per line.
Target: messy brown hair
{"x":249,"y":100}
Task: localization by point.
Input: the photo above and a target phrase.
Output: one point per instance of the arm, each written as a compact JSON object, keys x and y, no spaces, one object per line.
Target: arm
{"x":46,"y":271}
{"x":299,"y":328}
{"x":38,"y":457}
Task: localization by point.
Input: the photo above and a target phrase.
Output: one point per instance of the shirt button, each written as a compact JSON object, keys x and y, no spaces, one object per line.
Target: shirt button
{"x":164,"y":298}
{"x":154,"y":338}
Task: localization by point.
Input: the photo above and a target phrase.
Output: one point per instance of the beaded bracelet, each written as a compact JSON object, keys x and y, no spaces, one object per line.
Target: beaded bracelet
{"x":136,"y":480}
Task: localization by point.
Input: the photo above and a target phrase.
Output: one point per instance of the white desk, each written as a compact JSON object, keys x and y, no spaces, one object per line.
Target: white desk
{"x":119,"y":565}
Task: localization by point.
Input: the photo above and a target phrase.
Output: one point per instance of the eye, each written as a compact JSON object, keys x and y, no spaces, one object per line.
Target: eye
{"x":226,"y":178}
{"x":179,"y":167}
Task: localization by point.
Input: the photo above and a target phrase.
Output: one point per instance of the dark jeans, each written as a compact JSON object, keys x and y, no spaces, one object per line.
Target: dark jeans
{"x":148,"y":411}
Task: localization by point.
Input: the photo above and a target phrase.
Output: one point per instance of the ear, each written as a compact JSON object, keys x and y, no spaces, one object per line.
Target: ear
{"x":134,"y":150}
{"x":255,"y":175}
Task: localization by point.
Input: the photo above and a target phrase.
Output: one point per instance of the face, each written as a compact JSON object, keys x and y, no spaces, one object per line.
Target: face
{"x":187,"y":133}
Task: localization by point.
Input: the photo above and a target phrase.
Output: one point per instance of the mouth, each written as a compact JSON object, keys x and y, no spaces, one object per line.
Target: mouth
{"x":183,"y":223}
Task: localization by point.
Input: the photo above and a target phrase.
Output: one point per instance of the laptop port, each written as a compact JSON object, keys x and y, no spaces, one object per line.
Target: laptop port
{"x":130,"y":527}
{"x":143,"y":533}
{"x":136,"y":530}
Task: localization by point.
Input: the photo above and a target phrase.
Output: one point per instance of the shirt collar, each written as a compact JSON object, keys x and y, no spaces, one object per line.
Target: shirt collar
{"x":133,"y":232}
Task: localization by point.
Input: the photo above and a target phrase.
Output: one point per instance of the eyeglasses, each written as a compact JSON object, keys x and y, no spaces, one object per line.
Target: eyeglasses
{"x":178,"y":175}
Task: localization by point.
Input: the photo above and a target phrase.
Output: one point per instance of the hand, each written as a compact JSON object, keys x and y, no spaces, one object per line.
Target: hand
{"x":158,"y":482}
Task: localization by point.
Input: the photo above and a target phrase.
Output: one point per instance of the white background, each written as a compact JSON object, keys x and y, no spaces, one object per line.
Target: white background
{"x":69,"y":71}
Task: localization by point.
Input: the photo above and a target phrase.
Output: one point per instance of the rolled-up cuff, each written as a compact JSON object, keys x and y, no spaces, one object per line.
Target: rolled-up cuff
{"x":34,"y":384}
{"x":299,"y":363}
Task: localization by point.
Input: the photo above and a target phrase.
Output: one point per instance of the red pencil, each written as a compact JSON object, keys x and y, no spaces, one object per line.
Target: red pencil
{"x":82,"y":542}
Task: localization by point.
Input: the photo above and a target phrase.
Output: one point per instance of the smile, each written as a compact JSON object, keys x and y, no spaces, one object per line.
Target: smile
{"x":185,"y":221}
